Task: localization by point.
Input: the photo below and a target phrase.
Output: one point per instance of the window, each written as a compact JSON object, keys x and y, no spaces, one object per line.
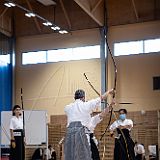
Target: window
{"x":34,"y":57}
{"x":137,"y":47}
{"x":57,"y":55}
{"x":78,"y":53}
{"x":152,"y":45}
{"x":4,"y":59}
{"x":126,"y":48}
{"x":86,"y":52}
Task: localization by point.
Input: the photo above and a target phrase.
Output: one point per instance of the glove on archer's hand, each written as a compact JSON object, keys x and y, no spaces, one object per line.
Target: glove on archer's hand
{"x":13,"y":143}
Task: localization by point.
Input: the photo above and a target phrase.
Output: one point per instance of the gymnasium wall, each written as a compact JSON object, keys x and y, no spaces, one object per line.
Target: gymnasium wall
{"x":51,"y":86}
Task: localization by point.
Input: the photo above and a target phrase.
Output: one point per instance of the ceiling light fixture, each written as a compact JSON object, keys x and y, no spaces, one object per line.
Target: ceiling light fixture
{"x":30,"y":14}
{"x":55,"y":28}
{"x":47,"y":23}
{"x":63,"y":31}
{"x":10,"y":4}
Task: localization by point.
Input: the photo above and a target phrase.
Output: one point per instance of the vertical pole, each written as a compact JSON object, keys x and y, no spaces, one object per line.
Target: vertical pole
{"x":103,"y":55}
{"x":47,"y":135}
{"x":13,"y":61}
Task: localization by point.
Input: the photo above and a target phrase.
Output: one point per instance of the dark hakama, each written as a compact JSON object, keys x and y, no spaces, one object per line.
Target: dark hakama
{"x":94,"y":149}
{"x":122,"y":150}
{"x":76,"y":146}
{"x":18,"y":153}
{"x":139,"y":157}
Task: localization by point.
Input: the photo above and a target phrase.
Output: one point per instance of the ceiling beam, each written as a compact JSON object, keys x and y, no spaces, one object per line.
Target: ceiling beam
{"x":135,"y":10}
{"x":97,"y":13}
{"x":35,"y":19}
{"x":5,"y":26}
{"x":66,"y":14}
{"x":3,"y":12}
{"x":95,"y":7}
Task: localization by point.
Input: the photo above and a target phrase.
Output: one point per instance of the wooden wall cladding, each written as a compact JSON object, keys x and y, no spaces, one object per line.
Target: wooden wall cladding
{"x":145,"y":131}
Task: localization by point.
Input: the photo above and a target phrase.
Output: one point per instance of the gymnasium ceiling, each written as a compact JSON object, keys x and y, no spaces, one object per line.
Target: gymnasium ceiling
{"x":76,"y":14}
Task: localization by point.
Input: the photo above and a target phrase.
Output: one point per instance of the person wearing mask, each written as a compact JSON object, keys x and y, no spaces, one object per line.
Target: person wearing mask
{"x":139,"y":151}
{"x":79,"y":123}
{"x":17,"y":150}
{"x":124,"y":145}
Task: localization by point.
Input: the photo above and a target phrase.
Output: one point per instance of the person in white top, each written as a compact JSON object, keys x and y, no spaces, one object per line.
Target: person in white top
{"x":17,"y":135}
{"x":139,"y":151}
{"x":93,"y":142}
{"x":79,"y":121}
{"x":124,"y":145}
{"x":50,"y":153}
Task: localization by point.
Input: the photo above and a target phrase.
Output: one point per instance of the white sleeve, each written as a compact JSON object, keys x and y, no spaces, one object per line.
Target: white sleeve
{"x":92,"y":104}
{"x":113,"y":126}
{"x":140,"y":148}
{"x":130,"y":122}
{"x":94,"y":121}
{"x":11,"y":126}
{"x":143,"y":150}
{"x":46,"y":152}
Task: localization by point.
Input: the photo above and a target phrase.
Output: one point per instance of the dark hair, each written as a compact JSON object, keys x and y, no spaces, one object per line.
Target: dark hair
{"x":14,"y":108}
{"x":79,"y":94}
{"x":124,"y":110}
{"x":49,"y":146}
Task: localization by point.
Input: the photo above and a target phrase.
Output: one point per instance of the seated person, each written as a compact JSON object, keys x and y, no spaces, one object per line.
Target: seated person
{"x":139,"y":151}
{"x":50,"y":153}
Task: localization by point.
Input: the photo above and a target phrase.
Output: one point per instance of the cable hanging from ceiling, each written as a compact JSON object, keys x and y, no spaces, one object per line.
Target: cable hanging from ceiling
{"x":28,"y":13}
